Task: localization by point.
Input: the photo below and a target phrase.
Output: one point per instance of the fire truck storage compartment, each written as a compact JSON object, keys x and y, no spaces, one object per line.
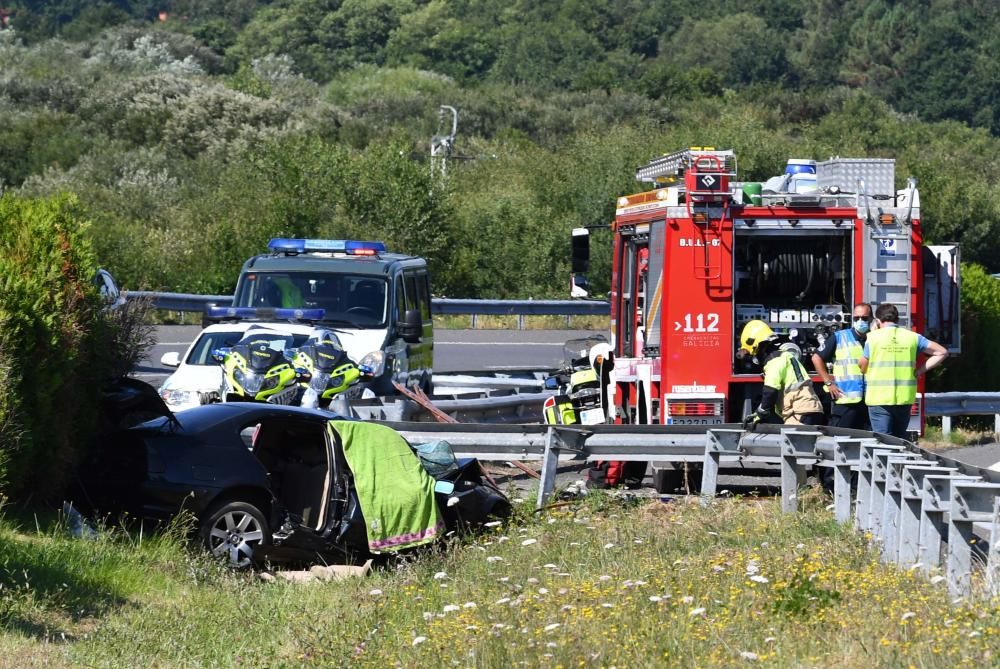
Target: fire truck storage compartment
{"x":799,"y":282}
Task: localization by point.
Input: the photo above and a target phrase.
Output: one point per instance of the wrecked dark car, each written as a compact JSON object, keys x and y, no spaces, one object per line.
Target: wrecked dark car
{"x":291,"y":484}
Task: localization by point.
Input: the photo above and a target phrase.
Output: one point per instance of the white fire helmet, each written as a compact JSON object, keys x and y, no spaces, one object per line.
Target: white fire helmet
{"x":600,"y":353}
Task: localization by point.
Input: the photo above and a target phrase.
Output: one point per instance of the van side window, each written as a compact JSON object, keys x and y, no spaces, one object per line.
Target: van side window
{"x":400,"y":299}
{"x":412,"y":297}
{"x":424,"y":293}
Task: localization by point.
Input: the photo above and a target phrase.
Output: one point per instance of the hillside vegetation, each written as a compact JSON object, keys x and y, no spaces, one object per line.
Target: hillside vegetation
{"x":191,"y":132}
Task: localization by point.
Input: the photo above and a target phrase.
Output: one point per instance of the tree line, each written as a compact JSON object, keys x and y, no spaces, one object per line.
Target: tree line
{"x":191,"y":132}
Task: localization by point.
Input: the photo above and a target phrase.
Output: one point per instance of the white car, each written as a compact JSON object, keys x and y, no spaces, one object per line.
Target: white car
{"x":198,"y":379}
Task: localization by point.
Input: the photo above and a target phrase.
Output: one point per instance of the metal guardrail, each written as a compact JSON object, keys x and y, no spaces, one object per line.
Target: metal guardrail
{"x":179,"y":301}
{"x":947,"y":405}
{"x":922,"y":510}
{"x":447,"y":306}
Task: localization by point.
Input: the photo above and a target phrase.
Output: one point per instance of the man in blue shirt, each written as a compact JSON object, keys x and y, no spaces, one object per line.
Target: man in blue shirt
{"x":846,"y":385}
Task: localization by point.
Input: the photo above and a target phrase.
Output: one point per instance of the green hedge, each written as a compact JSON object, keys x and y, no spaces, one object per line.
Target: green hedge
{"x":52,"y":360}
{"x":978,"y":367}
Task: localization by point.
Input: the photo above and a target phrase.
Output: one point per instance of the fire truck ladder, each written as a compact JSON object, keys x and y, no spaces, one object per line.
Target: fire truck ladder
{"x":891,"y":275}
{"x":670,"y":167}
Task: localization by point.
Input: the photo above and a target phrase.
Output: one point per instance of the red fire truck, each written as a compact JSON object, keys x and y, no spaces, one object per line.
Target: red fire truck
{"x":700,"y":254}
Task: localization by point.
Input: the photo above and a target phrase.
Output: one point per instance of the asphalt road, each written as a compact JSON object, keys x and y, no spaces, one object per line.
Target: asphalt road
{"x":486,"y":350}
{"x":454,"y":350}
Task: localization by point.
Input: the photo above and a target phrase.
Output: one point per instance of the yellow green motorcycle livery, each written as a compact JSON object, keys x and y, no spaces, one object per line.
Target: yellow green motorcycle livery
{"x":257,"y":369}
{"x":578,"y":385}
{"x":325,"y":371}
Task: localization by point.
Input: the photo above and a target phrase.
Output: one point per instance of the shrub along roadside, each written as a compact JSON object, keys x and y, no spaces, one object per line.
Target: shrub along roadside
{"x":977,"y":368}
{"x":53,"y":344}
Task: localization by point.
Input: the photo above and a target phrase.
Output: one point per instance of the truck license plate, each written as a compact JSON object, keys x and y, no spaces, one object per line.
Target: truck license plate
{"x":715,"y":420}
{"x":592,"y":416}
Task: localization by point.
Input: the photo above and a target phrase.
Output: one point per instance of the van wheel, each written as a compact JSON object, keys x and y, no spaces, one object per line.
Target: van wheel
{"x":233,"y":530}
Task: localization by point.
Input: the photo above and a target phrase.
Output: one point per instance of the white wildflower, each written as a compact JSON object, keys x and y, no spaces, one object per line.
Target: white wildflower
{"x":494,"y":558}
{"x":450,"y":607}
{"x":549,"y":628}
{"x":469,"y":605}
{"x":700,"y":611}
{"x":747,"y":655}
{"x":375,"y":593}
{"x":757,"y":578}
{"x":419,"y":640}
{"x":502,"y":600}
{"x":438,"y":576}
{"x":687,"y":599}
{"x":493,"y":523}
{"x":907,"y":615}
{"x":528,"y":542}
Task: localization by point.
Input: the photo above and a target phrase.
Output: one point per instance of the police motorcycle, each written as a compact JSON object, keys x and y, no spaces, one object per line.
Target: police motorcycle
{"x":580,"y":397}
{"x":258,"y":368}
{"x":325,"y":373}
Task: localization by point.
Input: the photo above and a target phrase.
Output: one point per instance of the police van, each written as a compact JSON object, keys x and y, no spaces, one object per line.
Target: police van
{"x":378,"y":303}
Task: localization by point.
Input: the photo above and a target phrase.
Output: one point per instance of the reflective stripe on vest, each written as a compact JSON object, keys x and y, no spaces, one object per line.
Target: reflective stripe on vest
{"x":890,"y":380}
{"x":846,"y":371}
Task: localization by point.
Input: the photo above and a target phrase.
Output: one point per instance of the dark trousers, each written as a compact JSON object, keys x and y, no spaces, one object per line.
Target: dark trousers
{"x":853,"y":416}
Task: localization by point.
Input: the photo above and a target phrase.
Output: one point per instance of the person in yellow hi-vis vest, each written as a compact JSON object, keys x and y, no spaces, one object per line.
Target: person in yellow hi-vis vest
{"x":786,"y":381}
{"x":889,"y":363}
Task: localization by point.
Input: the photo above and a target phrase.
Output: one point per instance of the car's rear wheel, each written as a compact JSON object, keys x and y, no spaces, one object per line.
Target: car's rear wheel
{"x":233,"y":530}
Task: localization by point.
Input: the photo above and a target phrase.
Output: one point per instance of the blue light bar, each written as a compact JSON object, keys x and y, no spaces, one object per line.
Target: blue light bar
{"x":266,"y":313}
{"x":349,"y":246}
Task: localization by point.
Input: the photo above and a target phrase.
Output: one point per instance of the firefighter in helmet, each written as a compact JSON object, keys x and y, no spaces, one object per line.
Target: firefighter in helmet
{"x":788,"y":396}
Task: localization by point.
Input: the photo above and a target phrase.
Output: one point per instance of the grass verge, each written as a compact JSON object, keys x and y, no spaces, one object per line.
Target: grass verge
{"x":601,"y":582}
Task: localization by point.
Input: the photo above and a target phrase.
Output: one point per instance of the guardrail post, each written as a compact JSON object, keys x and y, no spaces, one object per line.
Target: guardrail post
{"x":797,"y":448}
{"x":866,"y":472}
{"x":876,"y":503}
{"x":717,"y":443}
{"x":893,"y":502}
{"x":846,"y":454}
{"x":993,"y":561}
{"x":556,"y":439}
{"x":936,"y":502}
{"x":912,"y":495}
{"x":971,"y":502}
{"x":946,"y":425}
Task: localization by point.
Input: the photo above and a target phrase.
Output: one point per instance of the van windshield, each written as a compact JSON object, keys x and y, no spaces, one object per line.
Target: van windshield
{"x":357,"y":300}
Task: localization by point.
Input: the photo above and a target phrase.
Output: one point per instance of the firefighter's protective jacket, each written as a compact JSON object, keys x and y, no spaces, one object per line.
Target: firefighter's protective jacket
{"x":786,"y":383}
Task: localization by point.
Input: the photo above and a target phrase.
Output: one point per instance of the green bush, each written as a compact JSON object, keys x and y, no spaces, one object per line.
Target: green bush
{"x":51,"y":340}
{"x":977,"y":368}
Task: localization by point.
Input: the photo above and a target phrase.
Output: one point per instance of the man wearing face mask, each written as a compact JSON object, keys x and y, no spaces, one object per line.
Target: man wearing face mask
{"x":847,"y":384}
